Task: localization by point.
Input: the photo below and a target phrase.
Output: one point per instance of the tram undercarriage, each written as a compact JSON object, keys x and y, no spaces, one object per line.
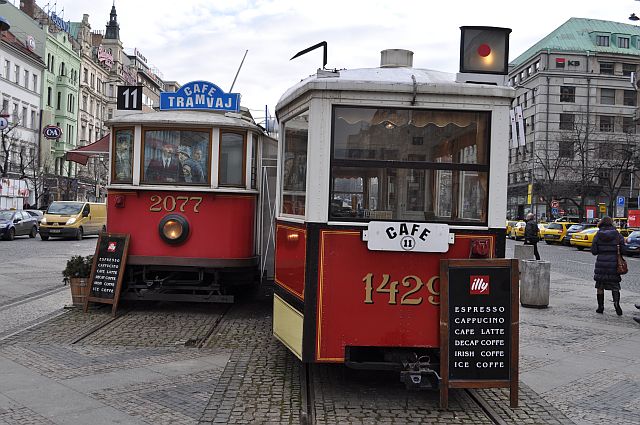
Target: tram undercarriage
{"x":192,"y":284}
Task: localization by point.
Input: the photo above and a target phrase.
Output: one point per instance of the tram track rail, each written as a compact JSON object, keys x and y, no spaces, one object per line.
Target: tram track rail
{"x":307,"y":402}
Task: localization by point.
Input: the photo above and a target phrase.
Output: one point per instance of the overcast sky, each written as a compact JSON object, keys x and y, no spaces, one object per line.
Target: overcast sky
{"x":206,"y":39}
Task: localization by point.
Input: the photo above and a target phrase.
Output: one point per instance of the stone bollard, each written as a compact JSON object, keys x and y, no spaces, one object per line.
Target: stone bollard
{"x":535,"y":277}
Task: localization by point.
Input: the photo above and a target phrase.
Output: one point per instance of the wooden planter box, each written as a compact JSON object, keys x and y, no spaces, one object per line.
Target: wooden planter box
{"x":79,"y":290}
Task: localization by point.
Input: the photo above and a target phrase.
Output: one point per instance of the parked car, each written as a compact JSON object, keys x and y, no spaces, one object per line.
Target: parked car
{"x":37,"y":214}
{"x":584,"y":238}
{"x":517,"y":231}
{"x":541,"y":228}
{"x":556,"y":231}
{"x":632,"y":244}
{"x":73,"y":219}
{"x":17,"y":223}
{"x":510,"y":224}
{"x":575,"y":228}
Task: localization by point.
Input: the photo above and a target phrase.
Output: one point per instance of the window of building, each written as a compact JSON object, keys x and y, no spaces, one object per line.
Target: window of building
{"x":565,"y":149}
{"x":85,"y":75}
{"x":606,"y":123}
{"x":70,"y":103}
{"x":59,"y":101}
{"x":93,"y":80}
{"x":84,"y":102}
{"x":5,"y":106}
{"x":536,"y":66}
{"x":17,"y":74}
{"x":567,"y":94}
{"x":628,"y":125}
{"x":35,"y":83}
{"x":602,"y":40}
{"x":48,"y":96}
{"x":378,"y":173}
{"x":607,"y":96}
{"x":26,"y":79}
{"x":168,"y":156}
{"x":606,"y":68}
{"x":109,"y":113}
{"x":23,"y":120}
{"x":63,"y":69}
{"x":628,"y":68}
{"x":623,"y":42}
{"x":630,"y":98}
{"x":34,"y":124}
{"x":7,"y":69}
{"x":232,"y":154}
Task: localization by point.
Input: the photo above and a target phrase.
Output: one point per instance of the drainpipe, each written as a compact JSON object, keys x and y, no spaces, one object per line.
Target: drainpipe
{"x":586,"y":133}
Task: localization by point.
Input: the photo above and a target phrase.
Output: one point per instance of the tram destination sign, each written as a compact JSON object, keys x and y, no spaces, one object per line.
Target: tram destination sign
{"x":107,"y":270}
{"x":479,"y":325}
{"x":200,"y":95}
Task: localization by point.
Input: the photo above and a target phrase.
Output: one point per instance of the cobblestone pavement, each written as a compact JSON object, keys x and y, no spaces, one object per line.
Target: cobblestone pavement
{"x":145,"y":367}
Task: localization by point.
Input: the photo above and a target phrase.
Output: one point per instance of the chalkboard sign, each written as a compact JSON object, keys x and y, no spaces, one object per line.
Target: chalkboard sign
{"x":479,"y":325}
{"x":108,"y":269}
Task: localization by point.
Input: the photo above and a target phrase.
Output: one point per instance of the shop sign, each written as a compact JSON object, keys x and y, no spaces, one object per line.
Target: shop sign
{"x":52,"y":132}
{"x":104,"y":57}
{"x":64,"y":26}
{"x":200,"y":95}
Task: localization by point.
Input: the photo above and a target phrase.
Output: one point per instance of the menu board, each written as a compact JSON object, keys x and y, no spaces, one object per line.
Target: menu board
{"x":108,"y":269}
{"x":479,"y":324}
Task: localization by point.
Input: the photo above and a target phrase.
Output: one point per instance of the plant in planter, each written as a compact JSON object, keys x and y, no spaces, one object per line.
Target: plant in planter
{"x":77,"y":273}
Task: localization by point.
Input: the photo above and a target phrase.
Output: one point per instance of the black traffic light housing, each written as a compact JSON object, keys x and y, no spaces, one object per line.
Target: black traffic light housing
{"x":484,"y":50}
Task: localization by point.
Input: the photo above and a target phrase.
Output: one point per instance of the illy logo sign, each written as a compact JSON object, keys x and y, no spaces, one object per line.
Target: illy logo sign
{"x":111,"y":247}
{"x":479,"y":285}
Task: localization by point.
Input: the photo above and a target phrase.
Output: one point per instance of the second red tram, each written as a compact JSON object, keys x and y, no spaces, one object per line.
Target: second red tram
{"x":383,"y":172}
{"x":191,"y":188}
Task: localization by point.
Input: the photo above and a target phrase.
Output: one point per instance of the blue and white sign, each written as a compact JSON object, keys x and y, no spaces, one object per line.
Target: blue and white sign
{"x":620,"y":201}
{"x":200,"y":95}
{"x":554,"y":211}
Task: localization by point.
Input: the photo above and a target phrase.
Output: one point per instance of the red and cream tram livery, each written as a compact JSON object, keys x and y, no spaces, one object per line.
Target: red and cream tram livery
{"x":189,"y":185}
{"x":382,"y":172}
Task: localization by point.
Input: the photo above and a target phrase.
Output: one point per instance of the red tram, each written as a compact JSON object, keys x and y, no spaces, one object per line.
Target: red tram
{"x":191,"y":187}
{"x":382,"y":172}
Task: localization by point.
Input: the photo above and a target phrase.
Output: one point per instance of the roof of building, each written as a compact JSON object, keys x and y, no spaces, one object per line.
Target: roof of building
{"x":579,"y":35}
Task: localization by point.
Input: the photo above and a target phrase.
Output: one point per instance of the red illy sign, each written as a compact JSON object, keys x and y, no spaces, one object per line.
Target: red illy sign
{"x":479,"y":285}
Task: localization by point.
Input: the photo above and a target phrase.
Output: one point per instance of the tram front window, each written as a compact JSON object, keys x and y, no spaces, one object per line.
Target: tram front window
{"x":294,"y":172}
{"x":409,"y":165}
{"x":176,"y":157}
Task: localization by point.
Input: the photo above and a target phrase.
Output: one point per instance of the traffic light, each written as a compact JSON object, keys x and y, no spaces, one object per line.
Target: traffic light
{"x":484,"y":50}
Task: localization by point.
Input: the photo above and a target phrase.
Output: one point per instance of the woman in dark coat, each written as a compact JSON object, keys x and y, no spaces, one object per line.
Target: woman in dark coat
{"x":605,"y":245}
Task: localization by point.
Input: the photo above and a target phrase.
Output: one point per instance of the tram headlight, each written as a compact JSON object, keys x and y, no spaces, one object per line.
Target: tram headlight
{"x":174,"y":229}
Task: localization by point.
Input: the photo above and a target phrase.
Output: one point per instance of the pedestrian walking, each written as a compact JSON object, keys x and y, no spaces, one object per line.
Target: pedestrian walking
{"x":531,"y":234}
{"x":606,"y":245}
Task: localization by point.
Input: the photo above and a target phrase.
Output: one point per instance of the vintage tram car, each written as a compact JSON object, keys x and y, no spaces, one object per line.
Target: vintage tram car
{"x":191,"y":188}
{"x":383,"y":172}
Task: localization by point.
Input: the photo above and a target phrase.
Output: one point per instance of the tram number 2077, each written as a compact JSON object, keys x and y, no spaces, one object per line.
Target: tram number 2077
{"x":171,"y":203}
{"x":414,"y":283}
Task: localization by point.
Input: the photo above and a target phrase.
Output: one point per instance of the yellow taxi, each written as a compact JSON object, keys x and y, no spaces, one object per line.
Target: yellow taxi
{"x":541,"y":229}
{"x":556,"y":231}
{"x":583,"y":239}
{"x":510,"y":224}
{"x":517,"y":231}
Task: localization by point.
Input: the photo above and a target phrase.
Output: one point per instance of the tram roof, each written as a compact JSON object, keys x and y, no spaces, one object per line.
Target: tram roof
{"x":391,"y":79}
{"x":187,"y":118}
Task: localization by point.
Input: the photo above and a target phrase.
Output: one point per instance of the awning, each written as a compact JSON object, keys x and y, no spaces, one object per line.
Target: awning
{"x":82,"y":154}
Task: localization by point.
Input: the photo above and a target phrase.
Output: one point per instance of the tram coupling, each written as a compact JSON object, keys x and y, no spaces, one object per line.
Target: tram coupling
{"x":419,"y":374}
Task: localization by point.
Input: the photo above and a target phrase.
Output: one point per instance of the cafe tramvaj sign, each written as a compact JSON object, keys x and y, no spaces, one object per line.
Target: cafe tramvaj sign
{"x":200,"y":95}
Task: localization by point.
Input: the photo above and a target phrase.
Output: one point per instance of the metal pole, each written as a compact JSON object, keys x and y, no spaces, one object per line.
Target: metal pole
{"x":239,"y":68}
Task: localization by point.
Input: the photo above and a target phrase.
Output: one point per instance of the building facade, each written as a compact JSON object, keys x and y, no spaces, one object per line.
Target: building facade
{"x":574,"y":143}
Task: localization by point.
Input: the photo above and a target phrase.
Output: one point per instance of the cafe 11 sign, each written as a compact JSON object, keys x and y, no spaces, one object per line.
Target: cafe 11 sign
{"x":200,"y":95}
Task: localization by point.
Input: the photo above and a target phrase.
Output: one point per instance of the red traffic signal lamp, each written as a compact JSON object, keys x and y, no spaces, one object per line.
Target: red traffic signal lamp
{"x":484,"y":50}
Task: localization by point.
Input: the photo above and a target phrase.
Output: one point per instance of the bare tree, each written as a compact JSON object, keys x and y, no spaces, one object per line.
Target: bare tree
{"x":9,"y":141}
{"x":615,"y":172}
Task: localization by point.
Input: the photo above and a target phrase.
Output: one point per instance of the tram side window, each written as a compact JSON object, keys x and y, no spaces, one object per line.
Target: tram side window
{"x":294,"y":173}
{"x":176,"y":156}
{"x":123,"y":165}
{"x":232,"y":153}
{"x":409,"y":165}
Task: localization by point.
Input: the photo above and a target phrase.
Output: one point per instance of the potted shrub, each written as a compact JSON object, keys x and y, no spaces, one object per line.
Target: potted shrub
{"x":77,"y":273}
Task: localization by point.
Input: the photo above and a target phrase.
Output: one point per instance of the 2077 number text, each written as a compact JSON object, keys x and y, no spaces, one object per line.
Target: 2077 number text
{"x":171,"y":203}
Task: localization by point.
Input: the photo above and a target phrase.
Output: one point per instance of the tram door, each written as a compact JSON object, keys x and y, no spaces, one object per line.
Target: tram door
{"x":266,"y":220}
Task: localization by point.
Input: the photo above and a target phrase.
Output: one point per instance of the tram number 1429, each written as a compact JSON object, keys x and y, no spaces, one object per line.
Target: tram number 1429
{"x":414,"y":283}
{"x":170,"y":203}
